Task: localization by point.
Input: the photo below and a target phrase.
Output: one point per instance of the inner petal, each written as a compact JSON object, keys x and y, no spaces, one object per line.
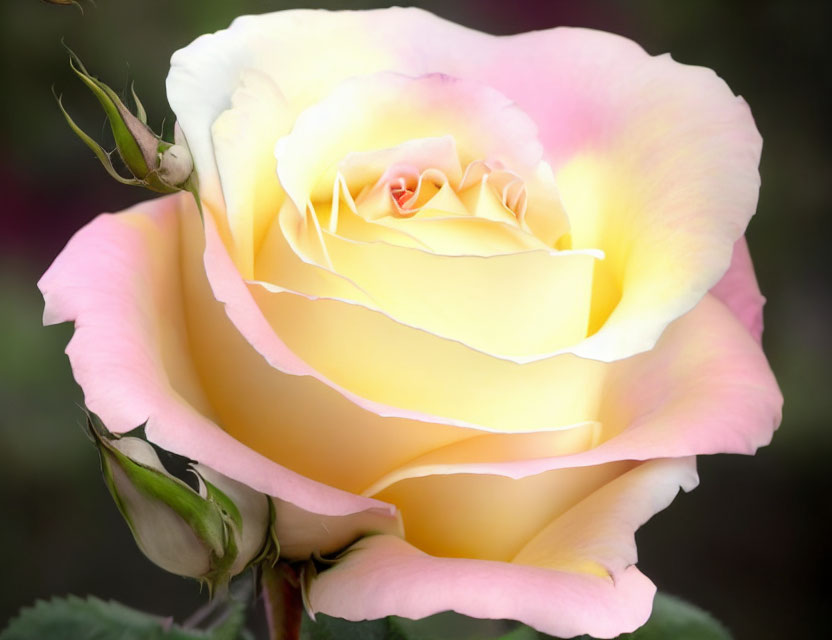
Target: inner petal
{"x":385,"y":110}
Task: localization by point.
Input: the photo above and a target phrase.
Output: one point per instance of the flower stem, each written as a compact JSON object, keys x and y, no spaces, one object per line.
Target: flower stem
{"x":282,"y":598}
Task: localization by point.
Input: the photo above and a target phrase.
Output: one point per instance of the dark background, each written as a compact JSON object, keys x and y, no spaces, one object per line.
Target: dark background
{"x":751,"y":544}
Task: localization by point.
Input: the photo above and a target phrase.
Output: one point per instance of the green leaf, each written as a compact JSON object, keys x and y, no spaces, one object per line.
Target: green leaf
{"x":523,"y":633}
{"x":679,"y":620}
{"x":328,"y":628}
{"x":444,"y":626}
{"x":232,"y":627}
{"x":73,"y":618}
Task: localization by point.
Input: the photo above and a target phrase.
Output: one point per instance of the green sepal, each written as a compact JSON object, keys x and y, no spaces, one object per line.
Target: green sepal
{"x":134,"y":140}
{"x":232,"y":520}
{"x":102,"y":155}
{"x":200,"y":515}
{"x":141,"y":114}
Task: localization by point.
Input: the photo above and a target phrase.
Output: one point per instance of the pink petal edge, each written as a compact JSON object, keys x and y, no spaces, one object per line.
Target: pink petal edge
{"x":739,"y":291}
{"x":384,"y":575}
{"x":121,"y":371}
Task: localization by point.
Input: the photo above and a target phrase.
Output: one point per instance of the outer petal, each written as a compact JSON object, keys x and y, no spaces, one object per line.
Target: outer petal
{"x":119,"y":280}
{"x":739,"y":291}
{"x":382,"y":575}
{"x":656,"y":165}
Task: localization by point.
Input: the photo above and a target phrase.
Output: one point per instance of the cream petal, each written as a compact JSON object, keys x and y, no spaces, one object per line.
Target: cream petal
{"x":461,"y":236}
{"x":268,"y":398}
{"x":490,"y":517}
{"x":599,"y":531}
{"x":244,"y":137}
{"x":405,"y":371}
{"x":384,"y":110}
{"x":362,"y":168}
{"x":705,"y":388}
{"x":282,"y":262}
{"x":497,"y":454}
{"x":205,"y":74}
{"x":513,"y":306}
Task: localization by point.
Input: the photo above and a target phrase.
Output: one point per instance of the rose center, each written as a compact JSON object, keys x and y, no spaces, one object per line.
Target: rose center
{"x":484,"y":190}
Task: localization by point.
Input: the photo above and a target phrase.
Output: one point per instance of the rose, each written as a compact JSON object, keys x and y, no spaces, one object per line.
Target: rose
{"x":484,"y":297}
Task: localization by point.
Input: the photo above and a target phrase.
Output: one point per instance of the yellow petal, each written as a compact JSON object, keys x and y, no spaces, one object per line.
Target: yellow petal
{"x":244,"y":137}
{"x":490,"y":517}
{"x":383,"y":360}
{"x":511,"y":305}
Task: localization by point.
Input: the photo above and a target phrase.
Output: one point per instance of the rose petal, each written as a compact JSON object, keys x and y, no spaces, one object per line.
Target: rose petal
{"x":491,"y":517}
{"x":739,"y":291}
{"x":205,"y":74}
{"x":656,"y":165}
{"x":384,"y":110}
{"x":383,"y":575}
{"x":599,"y":531}
{"x":302,"y":534}
{"x":119,"y":280}
{"x":362,"y":168}
{"x":361,"y":352}
{"x":244,"y":137}
{"x":514,"y":306}
{"x":471,"y":236}
{"x":705,"y":388}
{"x":276,"y":403}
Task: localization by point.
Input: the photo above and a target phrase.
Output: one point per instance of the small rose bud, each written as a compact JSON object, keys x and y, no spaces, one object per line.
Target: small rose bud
{"x":152,"y":162}
{"x":211,"y":533}
{"x":175,"y":164}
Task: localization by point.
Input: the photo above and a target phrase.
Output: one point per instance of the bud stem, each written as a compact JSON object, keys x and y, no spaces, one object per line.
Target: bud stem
{"x":283,"y":601}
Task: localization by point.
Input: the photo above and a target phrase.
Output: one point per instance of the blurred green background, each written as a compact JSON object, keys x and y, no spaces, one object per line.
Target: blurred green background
{"x":751,"y":544}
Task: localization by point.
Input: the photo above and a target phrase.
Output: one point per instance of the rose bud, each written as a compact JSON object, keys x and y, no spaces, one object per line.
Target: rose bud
{"x":211,"y":533}
{"x":154,"y":163}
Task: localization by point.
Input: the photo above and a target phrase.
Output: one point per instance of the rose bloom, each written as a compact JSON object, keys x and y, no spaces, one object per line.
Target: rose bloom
{"x":483,"y":297}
